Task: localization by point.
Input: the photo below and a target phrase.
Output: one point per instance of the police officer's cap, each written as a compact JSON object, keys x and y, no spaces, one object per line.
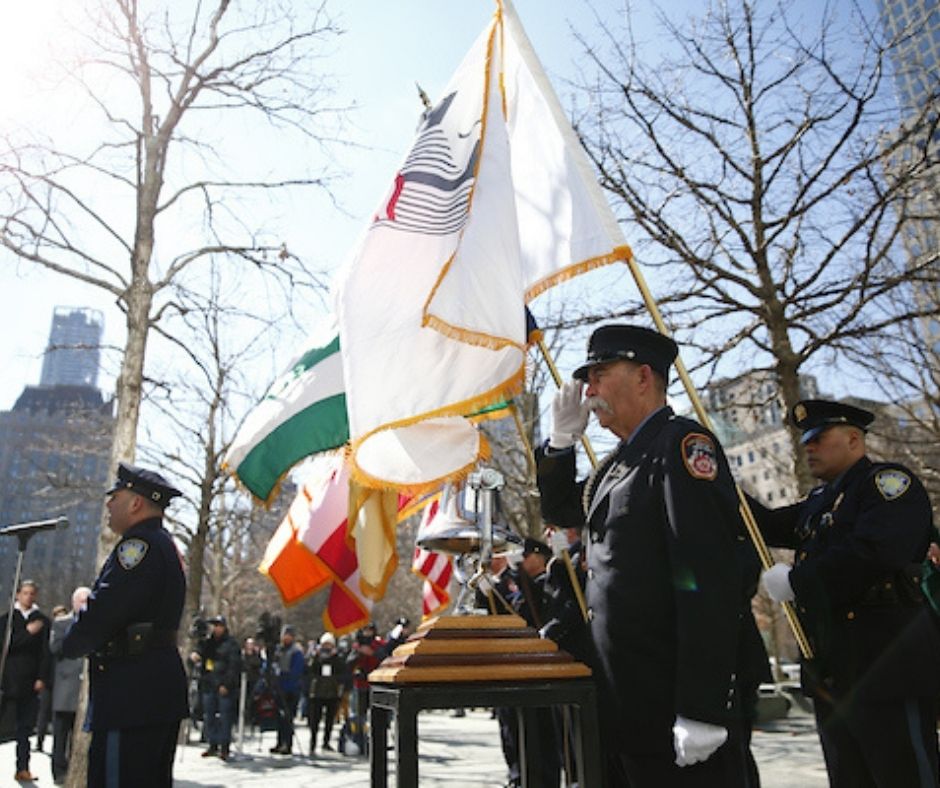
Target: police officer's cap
{"x":619,"y":342}
{"x":149,"y":484}
{"x":813,"y":416}
{"x":218,"y":620}
{"x":536,"y":546}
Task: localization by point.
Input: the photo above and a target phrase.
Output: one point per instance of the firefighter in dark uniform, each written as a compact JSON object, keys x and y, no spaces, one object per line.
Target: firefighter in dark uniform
{"x":129,"y":629}
{"x":859,"y":539}
{"x":531,"y":603}
{"x":670,"y":572}
{"x":566,"y":621}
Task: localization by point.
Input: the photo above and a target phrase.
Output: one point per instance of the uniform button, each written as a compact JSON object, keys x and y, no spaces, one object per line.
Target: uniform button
{"x":802,"y":555}
{"x":851,"y":615}
{"x":728,"y":705}
{"x":590,"y":615}
{"x":802,"y":609}
{"x":888,"y":586}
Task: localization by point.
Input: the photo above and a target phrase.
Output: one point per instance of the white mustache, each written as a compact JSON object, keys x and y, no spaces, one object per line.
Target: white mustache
{"x":595,"y":404}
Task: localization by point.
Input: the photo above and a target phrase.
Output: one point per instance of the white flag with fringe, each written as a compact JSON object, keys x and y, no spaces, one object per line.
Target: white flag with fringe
{"x":494,"y":203}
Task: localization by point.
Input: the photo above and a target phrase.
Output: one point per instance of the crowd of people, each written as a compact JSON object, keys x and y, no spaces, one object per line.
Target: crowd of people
{"x":324,"y":684}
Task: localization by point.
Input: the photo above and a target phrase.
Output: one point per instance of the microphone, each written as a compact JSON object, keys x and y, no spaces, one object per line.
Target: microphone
{"x":18,"y":529}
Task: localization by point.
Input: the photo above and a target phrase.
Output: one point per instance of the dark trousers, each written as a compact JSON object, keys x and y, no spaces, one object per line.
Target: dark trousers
{"x":285,"y":720}
{"x":43,"y":716}
{"x":217,"y":715}
{"x":879,"y":745}
{"x":325,"y":709}
{"x":63,"y":722}
{"x":25,"y":709}
{"x":133,"y":757}
{"x":509,"y":739}
{"x":730,"y":766}
{"x":548,"y":773}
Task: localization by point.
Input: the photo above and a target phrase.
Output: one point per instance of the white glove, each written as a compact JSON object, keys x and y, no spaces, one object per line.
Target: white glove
{"x":695,"y":741}
{"x":569,"y":416}
{"x":777,"y":583}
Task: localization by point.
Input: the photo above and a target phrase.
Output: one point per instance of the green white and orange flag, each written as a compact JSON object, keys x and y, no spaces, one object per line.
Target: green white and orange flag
{"x":495,"y":202}
{"x":303,"y":413}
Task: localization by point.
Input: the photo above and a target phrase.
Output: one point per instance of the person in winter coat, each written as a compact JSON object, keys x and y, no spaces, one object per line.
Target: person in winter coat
{"x":220,"y":657}
{"x":324,"y":669}
{"x":65,"y":687}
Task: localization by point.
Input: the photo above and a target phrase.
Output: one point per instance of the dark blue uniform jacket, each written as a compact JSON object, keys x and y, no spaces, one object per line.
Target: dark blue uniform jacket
{"x":142,"y":582}
{"x":859,"y":543}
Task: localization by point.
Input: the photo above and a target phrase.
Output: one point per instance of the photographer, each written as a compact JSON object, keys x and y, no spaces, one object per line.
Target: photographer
{"x":363,"y":659}
{"x":220,"y":658}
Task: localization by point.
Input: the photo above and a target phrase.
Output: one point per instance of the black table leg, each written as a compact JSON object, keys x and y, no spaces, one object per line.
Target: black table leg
{"x":406,"y":742}
{"x":378,"y":754}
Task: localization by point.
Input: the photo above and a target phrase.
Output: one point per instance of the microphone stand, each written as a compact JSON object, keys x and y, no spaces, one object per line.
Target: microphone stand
{"x":23,"y":538}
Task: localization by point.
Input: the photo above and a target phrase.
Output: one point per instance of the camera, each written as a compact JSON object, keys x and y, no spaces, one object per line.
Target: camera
{"x":199,"y":628}
{"x":269,"y":629}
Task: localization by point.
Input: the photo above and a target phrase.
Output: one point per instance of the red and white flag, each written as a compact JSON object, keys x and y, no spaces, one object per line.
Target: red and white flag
{"x":434,"y":568}
{"x":313,"y":547}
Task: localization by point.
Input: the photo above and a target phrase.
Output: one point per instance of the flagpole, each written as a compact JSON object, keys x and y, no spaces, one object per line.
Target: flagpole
{"x":750,"y":523}
{"x":585,"y":441}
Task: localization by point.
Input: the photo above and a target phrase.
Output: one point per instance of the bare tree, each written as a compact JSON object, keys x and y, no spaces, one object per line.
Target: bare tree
{"x":161,"y":86}
{"x":749,"y":158}
{"x":156,"y":187}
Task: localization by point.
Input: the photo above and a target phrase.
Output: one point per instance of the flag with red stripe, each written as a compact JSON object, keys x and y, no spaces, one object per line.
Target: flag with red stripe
{"x":434,"y":568}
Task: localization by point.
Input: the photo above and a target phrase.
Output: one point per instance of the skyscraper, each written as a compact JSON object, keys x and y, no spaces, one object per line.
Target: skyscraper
{"x":914,"y":28}
{"x":73,"y":351}
{"x":54,"y":452}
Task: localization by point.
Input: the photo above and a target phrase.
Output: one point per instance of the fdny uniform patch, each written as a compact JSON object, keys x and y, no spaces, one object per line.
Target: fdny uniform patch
{"x":700,"y":456}
{"x":131,"y":552}
{"x":892,"y":483}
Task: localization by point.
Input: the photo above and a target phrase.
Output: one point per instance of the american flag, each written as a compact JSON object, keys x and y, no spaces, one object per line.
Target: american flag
{"x":434,"y":568}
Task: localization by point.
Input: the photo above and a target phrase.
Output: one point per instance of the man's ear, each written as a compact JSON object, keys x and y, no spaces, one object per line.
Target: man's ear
{"x":136,"y":503}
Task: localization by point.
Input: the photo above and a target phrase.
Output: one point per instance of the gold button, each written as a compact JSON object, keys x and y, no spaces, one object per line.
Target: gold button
{"x":850,"y":615}
{"x":802,"y":555}
{"x":888,"y":586}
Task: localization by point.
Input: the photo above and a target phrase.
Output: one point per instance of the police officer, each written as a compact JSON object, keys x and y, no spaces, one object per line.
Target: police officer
{"x":670,"y":571}
{"x":860,"y":537}
{"x":129,"y":629}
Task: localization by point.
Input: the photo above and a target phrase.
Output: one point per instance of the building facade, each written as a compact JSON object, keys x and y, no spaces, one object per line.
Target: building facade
{"x":54,"y":453}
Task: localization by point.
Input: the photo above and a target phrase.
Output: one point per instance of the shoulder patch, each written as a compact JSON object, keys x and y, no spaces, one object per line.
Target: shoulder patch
{"x":700,"y":456}
{"x":892,"y":483}
{"x":131,"y":552}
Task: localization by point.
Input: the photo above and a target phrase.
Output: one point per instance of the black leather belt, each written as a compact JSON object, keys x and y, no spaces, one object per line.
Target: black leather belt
{"x":137,"y":639}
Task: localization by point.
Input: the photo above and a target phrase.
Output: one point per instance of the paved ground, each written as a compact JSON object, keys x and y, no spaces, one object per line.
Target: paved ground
{"x":454,"y":752}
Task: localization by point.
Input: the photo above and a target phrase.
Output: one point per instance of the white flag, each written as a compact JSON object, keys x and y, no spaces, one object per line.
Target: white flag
{"x":494,"y":203}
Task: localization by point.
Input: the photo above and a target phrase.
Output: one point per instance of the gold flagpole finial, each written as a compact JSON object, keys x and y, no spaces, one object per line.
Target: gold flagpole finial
{"x":423,"y":96}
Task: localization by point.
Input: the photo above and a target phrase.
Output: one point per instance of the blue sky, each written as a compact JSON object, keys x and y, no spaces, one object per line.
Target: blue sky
{"x":386,"y":48}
